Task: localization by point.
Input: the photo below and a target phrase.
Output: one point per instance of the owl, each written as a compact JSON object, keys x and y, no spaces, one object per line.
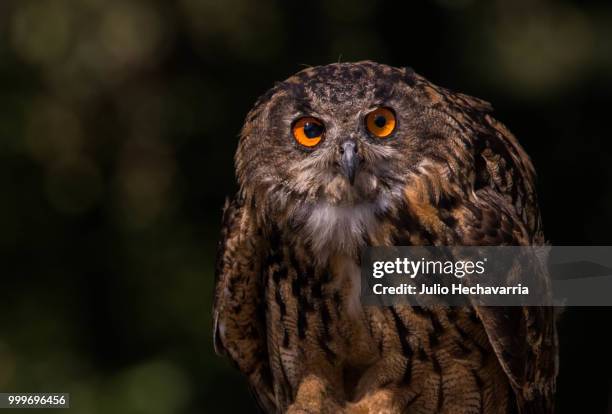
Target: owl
{"x":344,"y":156}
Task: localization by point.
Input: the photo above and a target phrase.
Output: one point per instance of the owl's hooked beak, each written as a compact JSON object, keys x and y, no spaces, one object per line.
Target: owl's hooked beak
{"x":349,"y":160}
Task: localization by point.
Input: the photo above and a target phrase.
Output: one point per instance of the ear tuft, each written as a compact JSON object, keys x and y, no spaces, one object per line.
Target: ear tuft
{"x":409,"y":76}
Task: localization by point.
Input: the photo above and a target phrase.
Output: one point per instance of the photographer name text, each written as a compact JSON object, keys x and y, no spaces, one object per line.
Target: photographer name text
{"x":454,"y":289}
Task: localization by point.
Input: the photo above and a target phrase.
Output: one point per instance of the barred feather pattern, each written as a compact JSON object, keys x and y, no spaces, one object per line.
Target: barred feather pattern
{"x":287,"y":309}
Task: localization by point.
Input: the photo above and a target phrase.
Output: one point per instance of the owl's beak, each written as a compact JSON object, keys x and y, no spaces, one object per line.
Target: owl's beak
{"x":349,"y":160}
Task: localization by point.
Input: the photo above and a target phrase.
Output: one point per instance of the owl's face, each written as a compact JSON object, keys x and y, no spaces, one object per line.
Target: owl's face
{"x":332,"y":142}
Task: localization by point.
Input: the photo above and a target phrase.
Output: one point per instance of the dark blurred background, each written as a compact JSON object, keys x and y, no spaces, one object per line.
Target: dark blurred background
{"x":118,"y":123}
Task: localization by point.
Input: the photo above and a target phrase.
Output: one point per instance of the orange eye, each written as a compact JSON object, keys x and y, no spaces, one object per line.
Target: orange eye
{"x":381,"y":122}
{"x":308,"y":131}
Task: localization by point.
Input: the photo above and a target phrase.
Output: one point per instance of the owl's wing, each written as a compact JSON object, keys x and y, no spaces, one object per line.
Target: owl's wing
{"x":238,"y":320}
{"x":523,"y":338}
{"x":504,"y":212}
{"x":501,"y":210}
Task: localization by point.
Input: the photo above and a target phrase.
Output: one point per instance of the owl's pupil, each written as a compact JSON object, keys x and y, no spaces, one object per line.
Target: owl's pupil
{"x":312,"y":130}
{"x":380,"y":121}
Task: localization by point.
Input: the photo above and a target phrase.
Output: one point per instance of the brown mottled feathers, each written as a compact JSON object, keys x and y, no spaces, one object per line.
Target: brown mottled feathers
{"x":287,"y":308}
{"x":239,"y":329}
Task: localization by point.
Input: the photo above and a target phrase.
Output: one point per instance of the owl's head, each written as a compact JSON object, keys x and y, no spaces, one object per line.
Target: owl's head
{"x":340,"y":134}
{"x":333,"y":147}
